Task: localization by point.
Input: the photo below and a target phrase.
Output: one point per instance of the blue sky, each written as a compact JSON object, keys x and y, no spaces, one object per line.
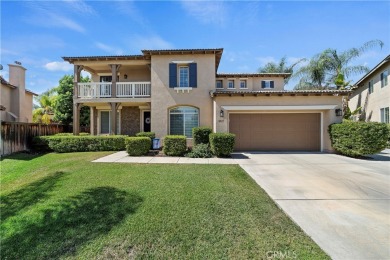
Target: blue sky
{"x":39,"y":33}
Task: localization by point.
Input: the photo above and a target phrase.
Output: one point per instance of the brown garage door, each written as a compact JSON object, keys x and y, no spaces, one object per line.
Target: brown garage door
{"x":276,"y":132}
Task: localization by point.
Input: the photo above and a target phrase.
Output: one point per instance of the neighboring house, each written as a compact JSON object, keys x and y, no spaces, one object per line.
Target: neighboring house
{"x":16,"y":101}
{"x":172,"y":91}
{"x":372,"y":94}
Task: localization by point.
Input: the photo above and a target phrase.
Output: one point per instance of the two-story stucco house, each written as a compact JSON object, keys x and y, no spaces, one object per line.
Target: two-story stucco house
{"x":372,"y":94}
{"x":172,"y":91}
{"x":16,"y":101}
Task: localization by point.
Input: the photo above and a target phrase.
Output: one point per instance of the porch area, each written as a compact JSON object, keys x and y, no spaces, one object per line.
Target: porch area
{"x":91,"y":90}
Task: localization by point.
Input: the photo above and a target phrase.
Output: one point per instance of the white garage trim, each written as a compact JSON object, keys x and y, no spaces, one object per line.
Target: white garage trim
{"x":276,"y":108}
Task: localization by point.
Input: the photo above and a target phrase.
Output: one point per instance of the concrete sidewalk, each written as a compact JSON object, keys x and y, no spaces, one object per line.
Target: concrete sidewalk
{"x":123,"y":157}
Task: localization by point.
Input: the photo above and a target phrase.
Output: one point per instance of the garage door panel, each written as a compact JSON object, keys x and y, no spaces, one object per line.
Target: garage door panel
{"x":276,"y":132}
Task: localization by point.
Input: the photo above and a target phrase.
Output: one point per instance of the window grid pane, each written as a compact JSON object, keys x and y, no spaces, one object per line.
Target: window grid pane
{"x":183,"y":77}
{"x":182,"y":120}
{"x":243,"y":84}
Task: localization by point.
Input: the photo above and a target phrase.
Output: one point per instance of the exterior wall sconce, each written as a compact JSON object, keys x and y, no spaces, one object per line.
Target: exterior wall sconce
{"x":339,"y":112}
{"x":125,"y":76}
{"x":221,"y":113}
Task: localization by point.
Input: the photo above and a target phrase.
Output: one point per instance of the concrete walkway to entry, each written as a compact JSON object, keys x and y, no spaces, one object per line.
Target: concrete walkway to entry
{"x":343,"y":204}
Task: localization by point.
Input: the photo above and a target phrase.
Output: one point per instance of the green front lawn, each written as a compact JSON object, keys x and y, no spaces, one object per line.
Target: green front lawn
{"x":64,"y":206}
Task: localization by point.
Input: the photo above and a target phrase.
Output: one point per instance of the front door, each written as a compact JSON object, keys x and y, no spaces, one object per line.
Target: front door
{"x":146,"y":121}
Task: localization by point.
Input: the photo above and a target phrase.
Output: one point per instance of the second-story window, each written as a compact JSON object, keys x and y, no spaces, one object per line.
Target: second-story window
{"x":243,"y":83}
{"x":384,"y":78}
{"x":267,"y":84}
{"x":218,"y":84}
{"x":183,"y":77}
{"x":231,"y":84}
{"x":370,"y":87}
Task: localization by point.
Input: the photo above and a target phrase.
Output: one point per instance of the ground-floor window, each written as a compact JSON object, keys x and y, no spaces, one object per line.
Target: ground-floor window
{"x":385,"y":115}
{"x":105,"y":122}
{"x":182,"y":120}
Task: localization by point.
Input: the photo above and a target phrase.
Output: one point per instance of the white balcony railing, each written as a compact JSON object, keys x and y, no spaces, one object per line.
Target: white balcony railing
{"x":123,"y":89}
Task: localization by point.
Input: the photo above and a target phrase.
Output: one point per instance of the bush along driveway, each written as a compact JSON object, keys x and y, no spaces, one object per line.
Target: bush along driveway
{"x":65,"y":206}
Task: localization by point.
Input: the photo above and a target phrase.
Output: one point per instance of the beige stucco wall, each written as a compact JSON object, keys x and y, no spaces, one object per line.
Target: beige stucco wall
{"x":329,"y":116}
{"x":134,"y":74}
{"x":6,"y":97}
{"x":164,"y":97}
{"x":27,"y":108}
{"x":253,"y":83}
{"x":372,"y":103}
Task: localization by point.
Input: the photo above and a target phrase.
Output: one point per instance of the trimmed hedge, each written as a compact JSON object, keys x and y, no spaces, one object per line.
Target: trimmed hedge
{"x":200,"y":151}
{"x":71,"y":134}
{"x":358,"y":138}
{"x":68,"y":144}
{"x":151,"y":135}
{"x":137,"y":146}
{"x":175,"y":145}
{"x":201,"y":135}
{"x":222,"y":144}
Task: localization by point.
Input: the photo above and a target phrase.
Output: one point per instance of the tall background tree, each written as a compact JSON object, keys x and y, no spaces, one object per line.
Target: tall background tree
{"x":331,"y":67}
{"x":63,"y":111}
{"x":280,"y":67}
{"x":44,"y":108}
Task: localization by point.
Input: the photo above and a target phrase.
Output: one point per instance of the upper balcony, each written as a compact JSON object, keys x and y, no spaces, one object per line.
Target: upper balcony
{"x":97,"y":90}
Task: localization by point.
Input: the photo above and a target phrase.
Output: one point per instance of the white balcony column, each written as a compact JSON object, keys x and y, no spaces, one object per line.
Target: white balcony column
{"x":76,"y":80}
{"x":114,"y":71}
{"x":113,"y":117}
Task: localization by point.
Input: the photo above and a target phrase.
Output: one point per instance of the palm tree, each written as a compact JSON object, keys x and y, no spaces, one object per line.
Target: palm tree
{"x":281,"y":67}
{"x":44,"y":109}
{"x":332,"y":67}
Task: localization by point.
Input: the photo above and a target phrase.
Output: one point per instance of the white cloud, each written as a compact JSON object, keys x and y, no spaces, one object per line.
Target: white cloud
{"x":264,"y":60}
{"x":130,"y":10}
{"x":139,"y":42}
{"x":58,"y":66}
{"x":207,"y":12}
{"x":80,"y":6}
{"x":108,"y":49}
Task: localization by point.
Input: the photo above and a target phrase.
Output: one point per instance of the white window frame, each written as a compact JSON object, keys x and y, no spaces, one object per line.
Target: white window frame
{"x":245,"y":84}
{"x":384,"y":81}
{"x":231,"y":81}
{"x":267,"y":84}
{"x":99,"y":126}
{"x":184,"y":125}
{"x":188,"y":76}
{"x":216,"y":84}
{"x":384,"y":113}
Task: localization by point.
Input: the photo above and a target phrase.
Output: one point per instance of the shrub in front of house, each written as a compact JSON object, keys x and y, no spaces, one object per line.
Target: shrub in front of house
{"x":201,"y":135}
{"x":358,"y":138}
{"x":222,"y":144}
{"x":175,"y":145}
{"x":68,"y":144}
{"x":200,"y":151}
{"x":137,"y":146}
{"x":151,"y":135}
{"x":71,"y":134}
{"x":41,"y":143}
{"x":388,"y":138}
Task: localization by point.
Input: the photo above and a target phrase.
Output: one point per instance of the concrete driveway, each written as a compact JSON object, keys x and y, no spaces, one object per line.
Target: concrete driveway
{"x":342,"y":203}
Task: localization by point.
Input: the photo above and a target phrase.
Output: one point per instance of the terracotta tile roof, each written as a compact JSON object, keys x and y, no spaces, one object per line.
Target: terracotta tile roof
{"x":242,"y":75}
{"x":280,"y":92}
{"x":111,"y":57}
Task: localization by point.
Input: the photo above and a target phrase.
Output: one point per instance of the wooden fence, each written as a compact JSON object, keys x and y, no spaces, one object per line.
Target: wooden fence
{"x":16,"y":137}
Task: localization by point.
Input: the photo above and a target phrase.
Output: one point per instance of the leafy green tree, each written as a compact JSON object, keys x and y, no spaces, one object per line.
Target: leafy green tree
{"x":280,"y":67}
{"x":331,"y":67}
{"x":44,"y":109}
{"x":64,"y":106}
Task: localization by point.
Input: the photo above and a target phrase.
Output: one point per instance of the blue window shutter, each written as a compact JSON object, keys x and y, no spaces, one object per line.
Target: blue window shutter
{"x":172,"y":75}
{"x":382,"y":81}
{"x":193,"y":75}
{"x":272,"y":84}
{"x":262,"y":84}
